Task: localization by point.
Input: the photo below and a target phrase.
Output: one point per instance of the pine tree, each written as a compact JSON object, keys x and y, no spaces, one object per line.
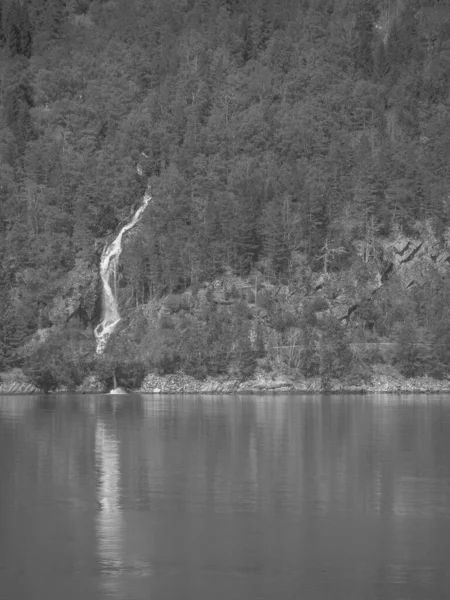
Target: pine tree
{"x":2,"y":34}
{"x":364,"y":28}
{"x":414,"y":351}
{"x":17,"y":29}
{"x":381,"y":64}
{"x":335,"y":352}
{"x":53,"y":19}
{"x":274,"y":234}
{"x":17,"y":103}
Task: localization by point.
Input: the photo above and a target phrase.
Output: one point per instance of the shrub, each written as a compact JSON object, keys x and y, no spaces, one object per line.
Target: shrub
{"x":334,"y":350}
{"x":246,"y":358}
{"x":241,"y":311}
{"x":60,"y":361}
{"x":263,"y":299}
{"x":413,"y":356}
{"x":200,"y":372}
{"x":248,"y":295}
{"x":166,"y":322}
{"x":439,"y":365}
{"x":260,"y":350}
{"x":131,"y":373}
{"x":319,"y":304}
{"x":173,"y":303}
{"x":283,"y":320}
{"x":234,"y":294}
{"x":104,"y":366}
{"x":309,"y":357}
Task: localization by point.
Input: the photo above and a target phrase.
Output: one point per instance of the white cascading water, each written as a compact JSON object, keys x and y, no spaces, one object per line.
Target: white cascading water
{"x":108,"y":273}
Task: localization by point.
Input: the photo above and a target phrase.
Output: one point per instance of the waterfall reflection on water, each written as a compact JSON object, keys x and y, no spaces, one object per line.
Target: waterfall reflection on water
{"x":225,"y":497}
{"x":110,"y":523}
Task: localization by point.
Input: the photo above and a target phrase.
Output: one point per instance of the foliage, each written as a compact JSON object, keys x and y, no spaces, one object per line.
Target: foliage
{"x":310,"y":357}
{"x":283,"y":137}
{"x":129,"y":372}
{"x":413,"y":354}
{"x":61,"y":359}
{"x":334,"y":350}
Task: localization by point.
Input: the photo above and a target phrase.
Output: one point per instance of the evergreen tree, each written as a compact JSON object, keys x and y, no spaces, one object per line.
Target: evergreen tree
{"x":364,"y":35}
{"x":274,"y":232}
{"x":381,"y":63}
{"x":54,"y":16}
{"x":2,"y":34}
{"x":275,"y":133}
{"x":414,"y":351}
{"x":17,"y":29}
{"x":18,"y":101}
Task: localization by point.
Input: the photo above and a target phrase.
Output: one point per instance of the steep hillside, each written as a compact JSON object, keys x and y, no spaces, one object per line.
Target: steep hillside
{"x":295,"y":148}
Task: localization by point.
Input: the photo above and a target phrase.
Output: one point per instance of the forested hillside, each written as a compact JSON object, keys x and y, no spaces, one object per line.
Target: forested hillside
{"x":284,"y":139}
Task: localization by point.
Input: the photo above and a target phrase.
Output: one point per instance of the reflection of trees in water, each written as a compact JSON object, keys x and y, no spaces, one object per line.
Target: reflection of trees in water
{"x":312,"y":455}
{"x":366,"y":454}
{"x":14,"y":408}
{"x":334,"y":455}
{"x":326,"y":454}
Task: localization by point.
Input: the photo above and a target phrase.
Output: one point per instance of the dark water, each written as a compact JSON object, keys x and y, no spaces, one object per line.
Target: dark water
{"x":211,"y":498}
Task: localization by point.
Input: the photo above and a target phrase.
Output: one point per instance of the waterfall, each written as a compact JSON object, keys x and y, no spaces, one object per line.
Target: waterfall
{"x":108,"y":275}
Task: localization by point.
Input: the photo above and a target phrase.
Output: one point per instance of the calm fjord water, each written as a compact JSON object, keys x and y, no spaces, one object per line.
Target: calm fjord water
{"x":224,"y":498}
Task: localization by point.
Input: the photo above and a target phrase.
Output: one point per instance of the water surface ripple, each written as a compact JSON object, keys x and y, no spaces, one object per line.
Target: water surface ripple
{"x":225,"y":497}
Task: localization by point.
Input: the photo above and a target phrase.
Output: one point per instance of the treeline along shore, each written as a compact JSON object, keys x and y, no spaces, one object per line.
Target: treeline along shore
{"x":299,"y":226}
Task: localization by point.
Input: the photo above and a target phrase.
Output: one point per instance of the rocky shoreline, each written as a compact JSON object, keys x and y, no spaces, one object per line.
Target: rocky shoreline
{"x":182,"y":384}
{"x":384,"y":380}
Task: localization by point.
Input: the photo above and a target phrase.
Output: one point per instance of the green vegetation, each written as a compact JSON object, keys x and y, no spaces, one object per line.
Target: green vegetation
{"x":288,"y":143}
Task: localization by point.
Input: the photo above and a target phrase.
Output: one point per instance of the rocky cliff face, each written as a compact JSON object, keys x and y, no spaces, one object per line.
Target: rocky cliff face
{"x":412,"y":259}
{"x":78,"y":296}
{"x":409,"y":258}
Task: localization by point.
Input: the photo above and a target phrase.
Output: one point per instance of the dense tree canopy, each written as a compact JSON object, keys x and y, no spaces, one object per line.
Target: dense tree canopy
{"x":269,"y":129}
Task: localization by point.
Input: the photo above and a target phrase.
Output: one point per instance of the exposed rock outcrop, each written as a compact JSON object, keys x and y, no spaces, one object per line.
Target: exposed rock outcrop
{"x":181,"y":383}
{"x":18,"y":388}
{"x":385,"y":380}
{"x":78,"y":296}
{"x":15,"y":382}
{"x":410,"y":259}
